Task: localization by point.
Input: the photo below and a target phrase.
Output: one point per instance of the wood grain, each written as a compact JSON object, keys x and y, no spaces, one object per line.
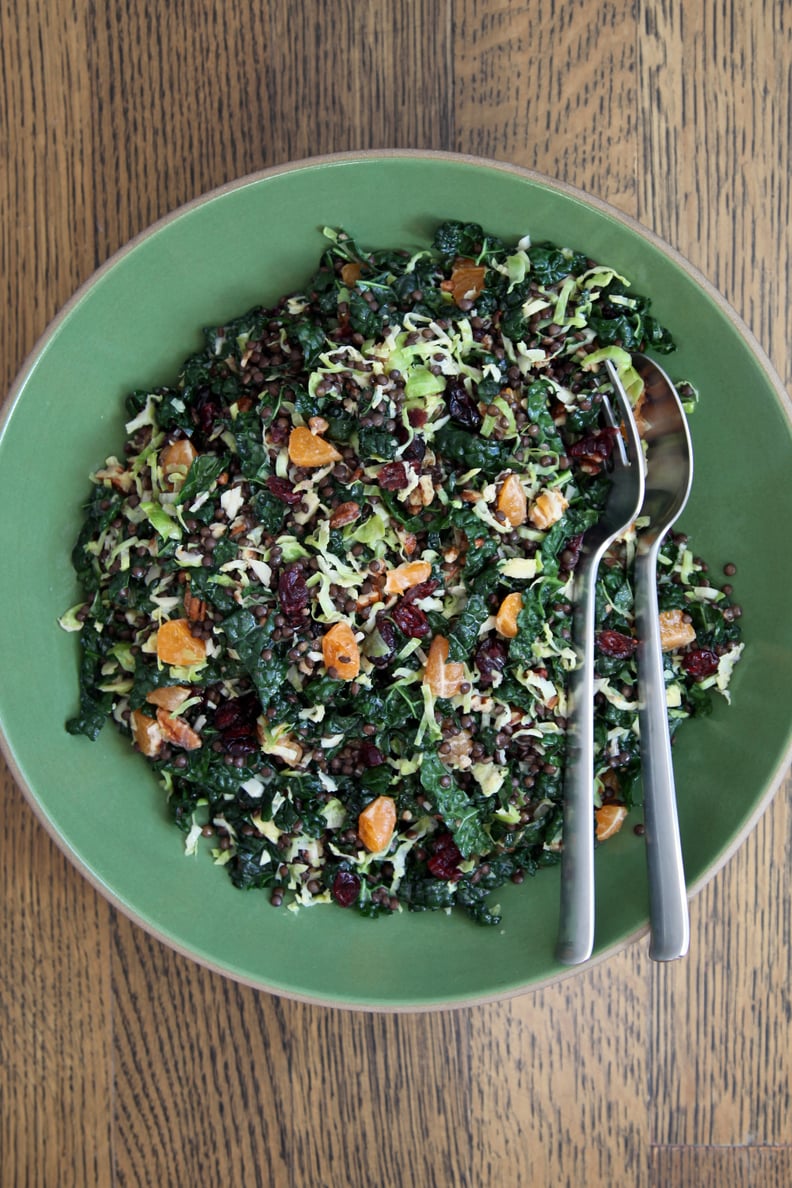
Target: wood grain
{"x":123,"y":1063}
{"x":56,"y":1085}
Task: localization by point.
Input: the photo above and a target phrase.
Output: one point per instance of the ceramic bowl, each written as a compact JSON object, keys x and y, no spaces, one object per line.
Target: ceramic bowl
{"x":131,"y":326}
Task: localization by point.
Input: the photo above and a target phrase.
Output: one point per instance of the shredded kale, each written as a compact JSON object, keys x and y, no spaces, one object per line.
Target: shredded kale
{"x":323,"y":593}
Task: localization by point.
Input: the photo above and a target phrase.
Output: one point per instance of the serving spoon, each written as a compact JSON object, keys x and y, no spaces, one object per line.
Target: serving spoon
{"x":669,"y":474}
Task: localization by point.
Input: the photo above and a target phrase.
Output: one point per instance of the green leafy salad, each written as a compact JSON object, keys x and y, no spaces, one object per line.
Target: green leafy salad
{"x":326,"y":586}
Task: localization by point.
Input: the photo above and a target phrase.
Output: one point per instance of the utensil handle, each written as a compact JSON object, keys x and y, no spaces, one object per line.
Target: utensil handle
{"x":576,"y":927}
{"x":668,"y":905}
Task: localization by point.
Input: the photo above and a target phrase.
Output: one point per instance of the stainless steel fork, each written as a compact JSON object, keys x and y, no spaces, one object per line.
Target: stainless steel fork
{"x":576,"y":928}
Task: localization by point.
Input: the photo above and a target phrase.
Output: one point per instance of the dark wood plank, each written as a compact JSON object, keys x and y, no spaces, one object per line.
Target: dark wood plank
{"x":47,"y":171}
{"x":719,"y":1071}
{"x":722,"y":1167}
{"x":554,"y":90}
{"x":561,"y":1080}
{"x":718,"y":187}
{"x":189,"y":96}
{"x":715,"y":84}
{"x":55,"y":1001}
{"x":202,"y":1069}
{"x":56,"y":1077}
{"x":400,"y":1088}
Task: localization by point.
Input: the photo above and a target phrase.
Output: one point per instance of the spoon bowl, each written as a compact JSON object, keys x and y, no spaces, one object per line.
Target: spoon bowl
{"x":669,"y":476}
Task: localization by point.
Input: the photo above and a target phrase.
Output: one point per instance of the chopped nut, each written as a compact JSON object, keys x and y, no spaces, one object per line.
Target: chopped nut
{"x":194,"y":608}
{"x":345,"y":513}
{"x":176,"y":731}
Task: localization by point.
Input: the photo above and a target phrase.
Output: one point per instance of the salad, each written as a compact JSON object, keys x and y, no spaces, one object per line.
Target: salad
{"x":326,"y":585}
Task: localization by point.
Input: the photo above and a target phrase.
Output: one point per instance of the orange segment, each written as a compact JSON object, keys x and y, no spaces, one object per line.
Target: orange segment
{"x":412,"y":573}
{"x":674,"y":631}
{"x":308,"y":450}
{"x":376,"y":824}
{"x":350,"y":273}
{"x":177,"y":645}
{"x":547,"y":509}
{"x":512,"y":501}
{"x":506,"y":618}
{"x":610,"y":819}
{"x":168,"y":697}
{"x":443,"y":679}
{"x":145,"y":732}
{"x":466,"y":281}
{"x":177,"y":457}
{"x":340,"y":651}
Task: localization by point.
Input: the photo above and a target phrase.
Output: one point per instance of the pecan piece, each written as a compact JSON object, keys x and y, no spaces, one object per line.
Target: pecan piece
{"x":345,"y":513}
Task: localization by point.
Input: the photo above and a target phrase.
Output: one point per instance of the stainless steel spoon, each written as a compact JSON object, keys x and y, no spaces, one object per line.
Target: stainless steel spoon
{"x":669,"y":474}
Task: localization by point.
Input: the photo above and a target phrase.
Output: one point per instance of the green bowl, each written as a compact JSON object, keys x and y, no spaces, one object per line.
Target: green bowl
{"x":132,"y":325}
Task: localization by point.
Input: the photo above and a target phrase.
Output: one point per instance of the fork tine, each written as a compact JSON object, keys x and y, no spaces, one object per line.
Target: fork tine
{"x":630,"y":448}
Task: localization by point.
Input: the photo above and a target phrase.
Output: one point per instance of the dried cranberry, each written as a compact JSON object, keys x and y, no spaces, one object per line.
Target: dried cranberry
{"x":392,"y":476}
{"x":238,"y":730}
{"x":595,"y":448}
{"x":445,"y":859}
{"x":490,"y":658}
{"x":462,"y":406}
{"x":283,"y":489}
{"x":415,"y":451}
{"x":205,"y":410}
{"x":700,"y":663}
{"x":369,"y":755}
{"x":346,"y":888}
{"x":613,"y":643}
{"x":236,"y":710}
{"x":292,"y":591}
{"x":387,"y":634}
{"x":410,"y":619}
{"x":417,"y":417}
{"x":422,"y":590}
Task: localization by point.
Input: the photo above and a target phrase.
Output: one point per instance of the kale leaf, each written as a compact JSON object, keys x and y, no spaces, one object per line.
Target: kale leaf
{"x":249,"y":640}
{"x":455,"y":806}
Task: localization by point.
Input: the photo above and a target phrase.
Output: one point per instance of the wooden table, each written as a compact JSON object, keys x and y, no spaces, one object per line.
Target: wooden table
{"x":123,"y":1063}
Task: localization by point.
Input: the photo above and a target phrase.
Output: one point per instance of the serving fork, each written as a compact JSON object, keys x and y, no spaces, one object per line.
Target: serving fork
{"x":625,"y":497}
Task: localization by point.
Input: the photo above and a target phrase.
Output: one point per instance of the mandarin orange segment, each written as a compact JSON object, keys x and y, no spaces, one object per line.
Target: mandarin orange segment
{"x":506,"y":618}
{"x":177,"y":457}
{"x":340,"y":651}
{"x":512,"y":501}
{"x":177,"y":645}
{"x":146,"y":733}
{"x":547,"y":509}
{"x":376,"y":824}
{"x":443,"y":679}
{"x":403,"y":577}
{"x":350,"y":273}
{"x":675,"y":632}
{"x":168,"y":697}
{"x":610,"y":819}
{"x":308,"y":450}
{"x":466,"y":281}
{"x":176,"y":731}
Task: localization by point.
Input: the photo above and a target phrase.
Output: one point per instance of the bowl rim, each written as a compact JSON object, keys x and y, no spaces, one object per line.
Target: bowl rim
{"x":356,"y":157}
